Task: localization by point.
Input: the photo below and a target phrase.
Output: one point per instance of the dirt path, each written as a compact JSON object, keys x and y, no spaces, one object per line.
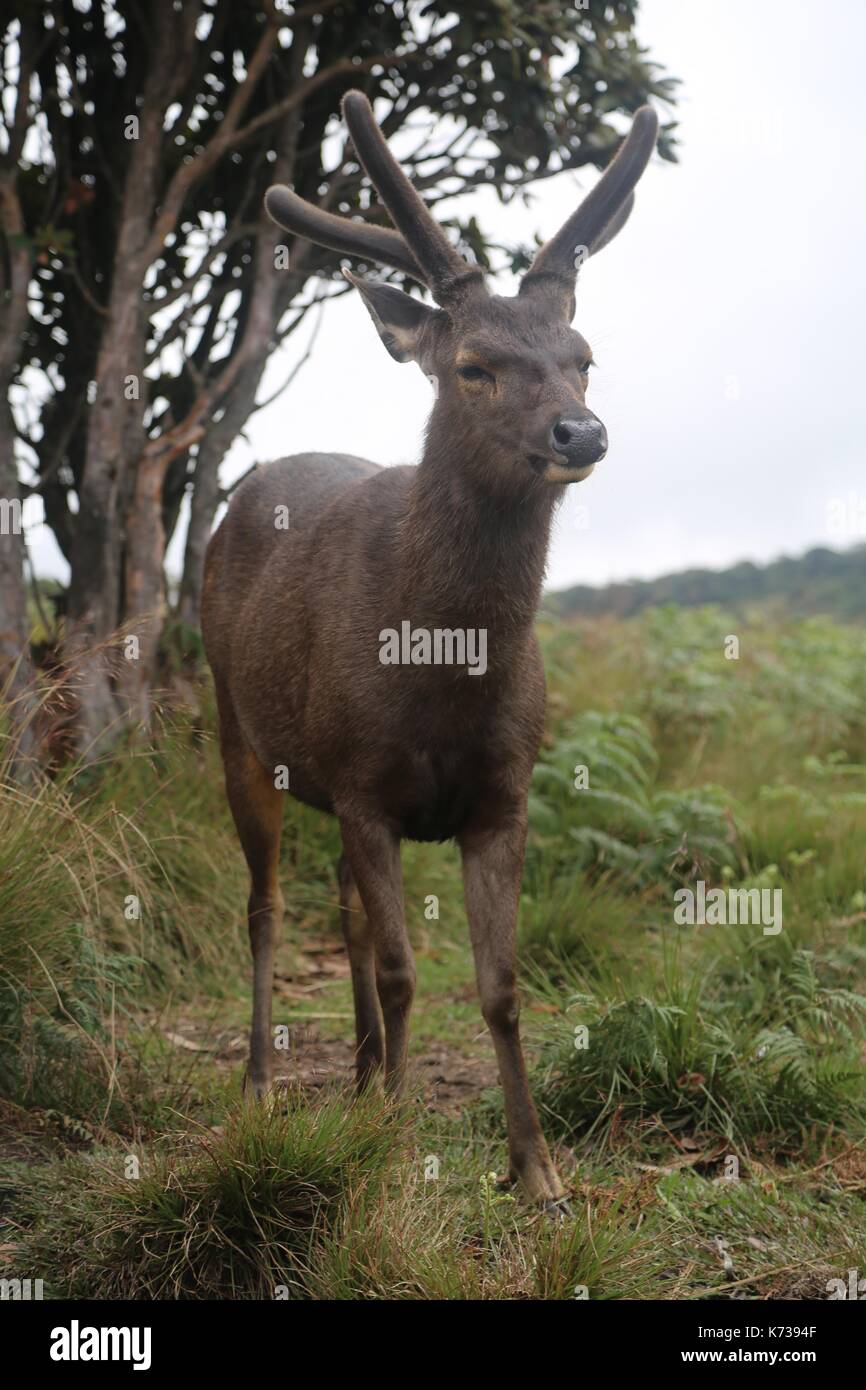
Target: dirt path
{"x":447,"y":1074}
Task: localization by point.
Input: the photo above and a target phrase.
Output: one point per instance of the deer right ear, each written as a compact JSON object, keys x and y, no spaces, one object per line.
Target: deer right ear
{"x":399,"y":318}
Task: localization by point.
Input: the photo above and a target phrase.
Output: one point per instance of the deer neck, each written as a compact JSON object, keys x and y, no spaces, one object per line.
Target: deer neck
{"x":468,"y":559}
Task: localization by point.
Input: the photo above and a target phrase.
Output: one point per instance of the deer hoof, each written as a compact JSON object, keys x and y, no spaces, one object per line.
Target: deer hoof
{"x":558,"y":1210}
{"x":255,"y":1090}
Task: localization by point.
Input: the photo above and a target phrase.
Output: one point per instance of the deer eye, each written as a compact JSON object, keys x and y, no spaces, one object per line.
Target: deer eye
{"x":585,"y":366}
{"x":476,"y":374}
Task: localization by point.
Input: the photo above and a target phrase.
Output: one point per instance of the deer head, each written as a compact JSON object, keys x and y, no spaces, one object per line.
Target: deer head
{"x":510,"y":374}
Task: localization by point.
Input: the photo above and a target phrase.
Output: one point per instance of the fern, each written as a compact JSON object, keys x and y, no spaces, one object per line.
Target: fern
{"x":621,"y":820}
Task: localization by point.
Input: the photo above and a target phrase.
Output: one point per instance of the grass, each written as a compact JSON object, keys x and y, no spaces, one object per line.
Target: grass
{"x":232,"y":1214}
{"x":689,"y":1064}
{"x":703,"y":1086}
{"x":312,"y":1201}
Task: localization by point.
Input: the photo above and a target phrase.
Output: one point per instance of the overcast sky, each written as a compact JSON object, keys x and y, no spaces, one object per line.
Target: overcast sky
{"x":726,"y":319}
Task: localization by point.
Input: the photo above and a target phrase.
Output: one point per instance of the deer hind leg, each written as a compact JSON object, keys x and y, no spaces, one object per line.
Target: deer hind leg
{"x":373,"y":853}
{"x":257,"y":808}
{"x":370,"y":1047}
{"x":492,"y":871}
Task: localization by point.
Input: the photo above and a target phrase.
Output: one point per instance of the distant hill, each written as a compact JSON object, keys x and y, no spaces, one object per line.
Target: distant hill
{"x":826,"y":582}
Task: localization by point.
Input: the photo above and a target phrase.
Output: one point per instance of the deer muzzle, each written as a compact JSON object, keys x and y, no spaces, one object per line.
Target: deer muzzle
{"x":578,"y":440}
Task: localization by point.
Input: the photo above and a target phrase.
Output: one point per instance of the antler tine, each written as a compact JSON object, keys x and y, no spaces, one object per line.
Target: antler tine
{"x":380,"y":244}
{"x":444,"y":268}
{"x":601,"y":213}
{"x":615,"y":225}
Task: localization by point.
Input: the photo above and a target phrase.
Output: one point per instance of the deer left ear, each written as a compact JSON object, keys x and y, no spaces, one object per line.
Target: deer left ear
{"x":399,"y":318}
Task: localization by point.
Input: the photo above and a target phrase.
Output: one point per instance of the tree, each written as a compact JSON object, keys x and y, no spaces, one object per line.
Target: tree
{"x":138,"y":143}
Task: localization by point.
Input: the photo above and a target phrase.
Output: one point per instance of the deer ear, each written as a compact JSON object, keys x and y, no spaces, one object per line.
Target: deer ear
{"x":398,"y":317}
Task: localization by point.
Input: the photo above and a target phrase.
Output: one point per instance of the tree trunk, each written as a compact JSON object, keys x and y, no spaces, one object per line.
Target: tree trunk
{"x":17,"y":679}
{"x":115,"y":437}
{"x":17,"y":682}
{"x":206,"y":488}
{"x":144,"y":587}
{"x":268,"y":302}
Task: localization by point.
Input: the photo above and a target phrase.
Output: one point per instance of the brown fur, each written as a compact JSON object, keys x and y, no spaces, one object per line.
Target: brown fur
{"x":292,"y":622}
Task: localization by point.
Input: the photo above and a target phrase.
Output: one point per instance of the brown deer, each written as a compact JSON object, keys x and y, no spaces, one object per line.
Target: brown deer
{"x":294,"y":619}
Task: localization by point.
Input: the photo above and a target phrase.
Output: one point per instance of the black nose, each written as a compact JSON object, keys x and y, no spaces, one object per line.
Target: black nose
{"x":580,"y":439}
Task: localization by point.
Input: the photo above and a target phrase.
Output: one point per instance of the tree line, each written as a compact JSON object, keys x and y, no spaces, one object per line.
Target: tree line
{"x":823,"y":582}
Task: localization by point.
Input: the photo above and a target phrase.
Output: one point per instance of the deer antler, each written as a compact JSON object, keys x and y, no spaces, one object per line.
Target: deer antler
{"x":444,"y":268}
{"x":340,"y":233}
{"x":602,"y":212}
{"x":419,"y":246}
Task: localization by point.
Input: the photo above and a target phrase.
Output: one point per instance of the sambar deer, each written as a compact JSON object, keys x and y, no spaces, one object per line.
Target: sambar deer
{"x":294,"y":619}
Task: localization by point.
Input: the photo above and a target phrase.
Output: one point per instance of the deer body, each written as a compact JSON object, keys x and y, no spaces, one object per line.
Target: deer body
{"x":303,"y":609}
{"x":293,"y":622}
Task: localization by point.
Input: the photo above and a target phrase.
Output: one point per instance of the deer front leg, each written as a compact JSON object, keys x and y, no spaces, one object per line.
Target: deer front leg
{"x":257,"y":807}
{"x":369,"y":1045}
{"x":373,"y":854}
{"x":492,"y":872}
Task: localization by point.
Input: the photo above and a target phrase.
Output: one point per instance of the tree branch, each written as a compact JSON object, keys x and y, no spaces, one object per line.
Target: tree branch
{"x":229,"y":138}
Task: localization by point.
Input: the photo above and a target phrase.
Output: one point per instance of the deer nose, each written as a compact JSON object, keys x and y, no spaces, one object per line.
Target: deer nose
{"x":581,"y":439}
